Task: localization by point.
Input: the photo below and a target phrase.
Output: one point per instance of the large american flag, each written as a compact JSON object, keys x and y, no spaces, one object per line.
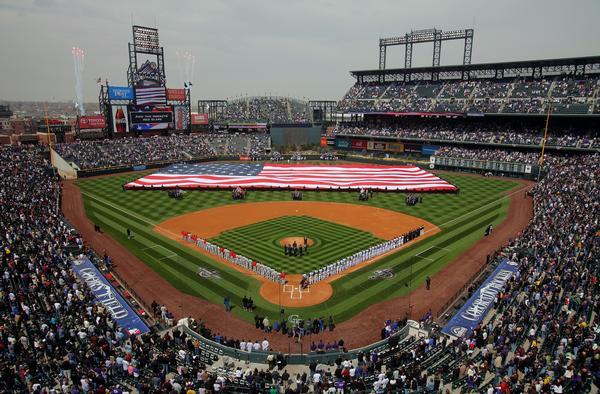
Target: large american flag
{"x":295,"y":176}
{"x":145,"y":96}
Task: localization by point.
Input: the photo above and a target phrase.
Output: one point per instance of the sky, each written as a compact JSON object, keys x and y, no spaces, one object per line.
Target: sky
{"x":302,"y":49}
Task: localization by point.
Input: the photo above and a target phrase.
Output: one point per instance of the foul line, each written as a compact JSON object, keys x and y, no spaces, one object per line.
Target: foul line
{"x":480,"y":208}
{"x":131,"y":213}
{"x":426,"y":258}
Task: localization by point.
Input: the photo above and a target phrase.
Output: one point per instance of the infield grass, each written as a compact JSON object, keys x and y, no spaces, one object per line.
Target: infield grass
{"x":260,"y":242}
{"x":462,"y":217}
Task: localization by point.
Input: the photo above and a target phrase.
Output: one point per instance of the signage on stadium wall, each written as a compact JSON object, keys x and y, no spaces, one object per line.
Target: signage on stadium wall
{"x":175,"y":94}
{"x":330,"y":141}
{"x":145,"y":38}
{"x":120,"y":93}
{"x":149,"y":118}
{"x":180,"y":116}
{"x":360,"y":144}
{"x":429,"y":149}
{"x":199,"y":118}
{"x":395,"y":147}
{"x":120,"y":119}
{"x":106,"y":294}
{"x":476,"y":307}
{"x":374,"y":145}
{"x":342,"y":144}
{"x":247,"y":125}
{"x":92,"y":122}
{"x":323,"y":141}
{"x":412,"y":147}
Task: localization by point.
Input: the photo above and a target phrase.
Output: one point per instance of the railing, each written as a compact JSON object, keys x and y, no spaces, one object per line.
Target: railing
{"x":304,"y":359}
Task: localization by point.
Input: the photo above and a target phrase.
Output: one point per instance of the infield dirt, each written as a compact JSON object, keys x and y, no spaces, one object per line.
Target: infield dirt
{"x":208,"y":223}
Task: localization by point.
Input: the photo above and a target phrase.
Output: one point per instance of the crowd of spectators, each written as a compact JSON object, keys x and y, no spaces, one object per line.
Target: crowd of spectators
{"x":506,"y":155}
{"x":519,"y":95}
{"x":91,"y":154}
{"x":267,"y":109}
{"x":540,"y":336}
{"x":466,"y":131}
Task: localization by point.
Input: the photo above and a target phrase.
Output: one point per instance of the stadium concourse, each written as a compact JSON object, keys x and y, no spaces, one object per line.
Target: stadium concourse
{"x":540,"y":336}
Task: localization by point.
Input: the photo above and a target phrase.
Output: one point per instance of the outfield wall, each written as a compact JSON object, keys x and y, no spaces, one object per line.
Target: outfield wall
{"x":259,"y":356}
{"x":290,"y":136}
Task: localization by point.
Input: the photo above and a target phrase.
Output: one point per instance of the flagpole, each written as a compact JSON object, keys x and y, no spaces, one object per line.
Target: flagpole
{"x":541,"y":161}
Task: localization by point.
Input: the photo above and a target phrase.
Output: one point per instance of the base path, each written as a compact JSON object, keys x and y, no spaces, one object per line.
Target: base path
{"x":360,"y":330}
{"x":208,"y":223}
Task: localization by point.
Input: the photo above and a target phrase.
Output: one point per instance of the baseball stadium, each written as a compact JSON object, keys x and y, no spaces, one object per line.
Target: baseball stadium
{"x":433,"y":230}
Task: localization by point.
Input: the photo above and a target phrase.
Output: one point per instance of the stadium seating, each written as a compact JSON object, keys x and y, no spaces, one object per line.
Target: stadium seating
{"x":490,"y":132}
{"x":267,"y":109}
{"x":570,"y":95}
{"x":541,"y":334}
{"x":135,"y":151}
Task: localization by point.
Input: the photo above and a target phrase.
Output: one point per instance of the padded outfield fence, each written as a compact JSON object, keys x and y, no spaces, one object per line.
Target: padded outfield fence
{"x":261,"y":357}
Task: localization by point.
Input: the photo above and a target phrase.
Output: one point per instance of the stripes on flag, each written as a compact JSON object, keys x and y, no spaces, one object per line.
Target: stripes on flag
{"x":156,"y":95}
{"x":294,"y":176}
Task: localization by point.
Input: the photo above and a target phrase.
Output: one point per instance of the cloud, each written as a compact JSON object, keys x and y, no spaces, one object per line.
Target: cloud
{"x":300,"y":48}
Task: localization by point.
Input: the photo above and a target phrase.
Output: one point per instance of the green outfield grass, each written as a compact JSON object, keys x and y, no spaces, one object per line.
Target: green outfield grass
{"x":260,"y":242}
{"x":462,"y":218}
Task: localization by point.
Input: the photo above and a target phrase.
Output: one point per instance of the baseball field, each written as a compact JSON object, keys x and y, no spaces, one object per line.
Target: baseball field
{"x":336,"y":223}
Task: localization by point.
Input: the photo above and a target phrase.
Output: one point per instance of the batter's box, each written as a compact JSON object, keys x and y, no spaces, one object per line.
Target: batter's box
{"x":295,"y":291}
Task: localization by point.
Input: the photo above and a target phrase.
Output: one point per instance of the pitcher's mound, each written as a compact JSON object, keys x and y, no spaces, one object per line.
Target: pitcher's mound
{"x":299,"y":241}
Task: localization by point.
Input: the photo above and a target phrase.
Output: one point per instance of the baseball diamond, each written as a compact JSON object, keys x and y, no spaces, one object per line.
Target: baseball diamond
{"x":453,"y":222}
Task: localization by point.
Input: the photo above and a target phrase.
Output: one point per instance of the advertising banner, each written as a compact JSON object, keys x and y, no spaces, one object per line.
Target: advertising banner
{"x":199,"y":118}
{"x":429,"y":149}
{"x":359,"y":144}
{"x":247,"y":125}
{"x":120,"y":119}
{"x":92,"y":122}
{"x":374,"y":145}
{"x":180,"y":115}
{"x":476,"y":307}
{"x":412,"y":147}
{"x":323,"y":141}
{"x":106,"y":294}
{"x":147,"y":118}
{"x":395,"y":147}
{"x":176,"y":94}
{"x":120,"y":93}
{"x":342,"y":144}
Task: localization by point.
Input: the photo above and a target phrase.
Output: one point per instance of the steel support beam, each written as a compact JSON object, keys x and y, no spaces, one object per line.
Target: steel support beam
{"x":468,"y":46}
{"x":382,"y":49}
{"x":408,"y":55}
{"x":437,"y":48}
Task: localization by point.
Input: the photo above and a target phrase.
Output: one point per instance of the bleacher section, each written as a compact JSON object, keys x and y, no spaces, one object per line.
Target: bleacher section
{"x":569,"y":95}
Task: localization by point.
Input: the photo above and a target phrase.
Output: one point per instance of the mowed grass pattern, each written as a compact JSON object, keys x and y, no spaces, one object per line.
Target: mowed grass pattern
{"x":260,"y":241}
{"x":437,"y":208}
{"x":463,"y":218}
